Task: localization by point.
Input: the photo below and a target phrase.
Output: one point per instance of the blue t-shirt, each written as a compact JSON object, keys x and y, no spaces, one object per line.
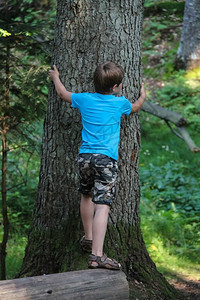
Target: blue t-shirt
{"x":101,"y":115}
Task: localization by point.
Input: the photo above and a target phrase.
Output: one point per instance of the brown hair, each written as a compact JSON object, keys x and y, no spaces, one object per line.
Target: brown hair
{"x":106,"y":76}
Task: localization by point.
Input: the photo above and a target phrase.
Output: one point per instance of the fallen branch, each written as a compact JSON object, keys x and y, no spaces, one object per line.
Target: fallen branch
{"x":186,"y":137}
{"x":171,"y":116}
{"x":163,"y":113}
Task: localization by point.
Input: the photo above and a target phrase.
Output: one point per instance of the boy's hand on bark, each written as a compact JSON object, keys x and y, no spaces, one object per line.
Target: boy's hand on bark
{"x":53,"y":74}
{"x":142,"y":91}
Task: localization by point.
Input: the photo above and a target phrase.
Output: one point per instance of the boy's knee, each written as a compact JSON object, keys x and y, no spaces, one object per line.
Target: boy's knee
{"x":102,"y":207}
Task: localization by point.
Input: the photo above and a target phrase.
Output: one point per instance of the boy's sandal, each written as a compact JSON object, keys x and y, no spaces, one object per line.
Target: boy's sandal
{"x":86,"y":245}
{"x":103,"y":262}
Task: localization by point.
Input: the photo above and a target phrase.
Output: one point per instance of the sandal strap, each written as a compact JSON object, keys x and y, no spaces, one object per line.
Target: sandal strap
{"x":85,"y":244}
{"x":93,"y":257}
{"x":84,"y":241}
{"x":104,"y":262}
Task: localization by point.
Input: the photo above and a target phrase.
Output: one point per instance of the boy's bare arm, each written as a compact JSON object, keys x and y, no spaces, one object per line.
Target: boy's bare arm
{"x":60,"y":88}
{"x":138,"y":104}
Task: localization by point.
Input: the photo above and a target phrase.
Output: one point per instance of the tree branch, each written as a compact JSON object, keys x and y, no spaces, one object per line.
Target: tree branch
{"x":173,"y":117}
{"x":186,"y":137}
{"x":163,"y":113}
{"x":174,"y":131}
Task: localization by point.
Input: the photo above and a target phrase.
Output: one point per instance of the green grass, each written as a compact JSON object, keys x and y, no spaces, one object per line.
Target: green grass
{"x":171,"y":264}
{"x":169,"y":258}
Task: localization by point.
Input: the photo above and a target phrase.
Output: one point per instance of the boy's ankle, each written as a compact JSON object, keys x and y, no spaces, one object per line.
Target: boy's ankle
{"x":88,"y":238}
{"x":97,"y":252}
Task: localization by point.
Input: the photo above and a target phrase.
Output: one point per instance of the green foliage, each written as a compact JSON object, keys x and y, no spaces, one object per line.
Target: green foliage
{"x":170,"y":244}
{"x":161,"y":34}
{"x":171,"y":186}
{"x":26,"y":30}
{"x":24,"y":62}
{"x":22,"y":186}
{"x":15,"y":255}
{"x":171,"y":238}
{"x":179,"y":96}
{"x":22,"y":179}
{"x":157,"y":7}
{"x":170,"y":206}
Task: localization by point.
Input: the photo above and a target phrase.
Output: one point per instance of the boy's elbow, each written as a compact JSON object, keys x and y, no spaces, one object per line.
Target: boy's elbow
{"x":61,"y":95}
{"x":66,"y":97}
{"x":135,"y":108}
{"x":137,"y":105}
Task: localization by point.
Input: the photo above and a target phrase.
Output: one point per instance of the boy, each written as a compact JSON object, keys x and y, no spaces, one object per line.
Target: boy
{"x":97,"y":161}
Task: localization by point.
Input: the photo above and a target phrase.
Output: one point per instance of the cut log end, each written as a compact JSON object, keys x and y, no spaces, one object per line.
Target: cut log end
{"x":196,"y":150}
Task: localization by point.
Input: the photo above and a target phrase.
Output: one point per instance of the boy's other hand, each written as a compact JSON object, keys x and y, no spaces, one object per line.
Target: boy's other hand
{"x":142,"y":91}
{"x":53,"y":74}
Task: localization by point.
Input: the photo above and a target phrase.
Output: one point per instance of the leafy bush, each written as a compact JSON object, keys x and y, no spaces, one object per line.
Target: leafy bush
{"x":170,"y":207}
{"x":171,"y":185}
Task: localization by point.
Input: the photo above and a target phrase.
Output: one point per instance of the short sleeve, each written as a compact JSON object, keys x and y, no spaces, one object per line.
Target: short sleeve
{"x":76,"y":99}
{"x":126,"y":106}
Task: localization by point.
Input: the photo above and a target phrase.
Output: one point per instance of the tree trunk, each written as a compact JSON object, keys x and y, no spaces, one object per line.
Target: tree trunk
{"x":88,"y":33}
{"x":188,"y":54}
{"x":4,"y":204}
{"x":4,"y":128}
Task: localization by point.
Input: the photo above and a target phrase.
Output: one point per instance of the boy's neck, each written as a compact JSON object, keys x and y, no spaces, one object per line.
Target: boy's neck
{"x":113,"y":93}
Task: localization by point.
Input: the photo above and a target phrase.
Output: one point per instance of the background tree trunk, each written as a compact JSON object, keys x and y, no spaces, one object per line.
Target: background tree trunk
{"x":3,"y":243}
{"x":4,"y":129}
{"x":88,"y":33}
{"x":188,"y":54}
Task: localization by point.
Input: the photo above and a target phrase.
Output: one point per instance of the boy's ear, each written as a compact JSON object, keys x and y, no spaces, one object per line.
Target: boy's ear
{"x":114,"y":86}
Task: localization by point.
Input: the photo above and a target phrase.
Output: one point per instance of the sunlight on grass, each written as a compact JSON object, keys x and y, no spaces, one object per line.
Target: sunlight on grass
{"x":170,"y":263}
{"x":193,"y":78}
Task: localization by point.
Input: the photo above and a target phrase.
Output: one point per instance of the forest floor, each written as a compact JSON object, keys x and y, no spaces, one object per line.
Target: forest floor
{"x":189,"y":287}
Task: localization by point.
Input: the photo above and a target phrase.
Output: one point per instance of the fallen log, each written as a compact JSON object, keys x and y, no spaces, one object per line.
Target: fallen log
{"x":84,"y":285}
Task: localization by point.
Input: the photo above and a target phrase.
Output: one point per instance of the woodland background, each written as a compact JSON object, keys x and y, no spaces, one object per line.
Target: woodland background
{"x":169,"y":171}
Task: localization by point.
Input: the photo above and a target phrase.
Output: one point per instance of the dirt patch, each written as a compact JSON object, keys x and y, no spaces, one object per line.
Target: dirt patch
{"x":189,"y":287}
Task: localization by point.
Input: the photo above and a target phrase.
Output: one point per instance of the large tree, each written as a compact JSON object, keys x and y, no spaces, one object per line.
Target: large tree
{"x":188,"y":54}
{"x":88,"y":33}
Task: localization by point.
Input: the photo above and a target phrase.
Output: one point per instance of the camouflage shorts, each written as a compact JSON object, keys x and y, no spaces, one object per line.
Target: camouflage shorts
{"x":97,"y":175}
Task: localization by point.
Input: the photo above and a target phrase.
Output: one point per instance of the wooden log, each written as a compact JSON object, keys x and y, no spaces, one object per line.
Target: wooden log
{"x":85,"y":285}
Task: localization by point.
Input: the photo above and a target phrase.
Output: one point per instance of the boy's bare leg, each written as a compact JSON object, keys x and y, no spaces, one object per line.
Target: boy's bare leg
{"x":87,"y":214}
{"x":99,"y":228}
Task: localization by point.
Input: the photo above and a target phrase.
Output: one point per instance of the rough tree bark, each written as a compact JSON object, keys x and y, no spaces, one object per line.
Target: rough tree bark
{"x":88,"y":33}
{"x":188,"y":54}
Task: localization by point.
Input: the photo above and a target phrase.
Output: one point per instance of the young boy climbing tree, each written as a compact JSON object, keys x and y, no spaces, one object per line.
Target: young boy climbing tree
{"x":97,"y":160}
